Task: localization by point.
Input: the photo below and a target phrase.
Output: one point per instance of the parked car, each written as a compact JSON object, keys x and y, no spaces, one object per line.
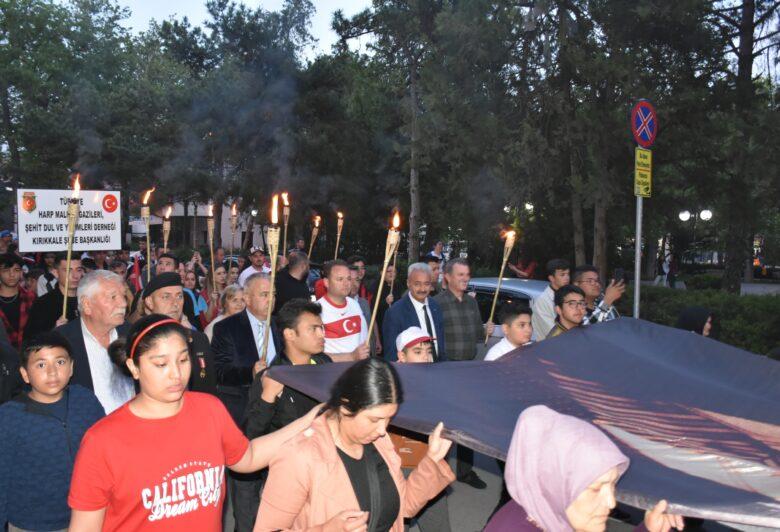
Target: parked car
{"x":512,"y":290}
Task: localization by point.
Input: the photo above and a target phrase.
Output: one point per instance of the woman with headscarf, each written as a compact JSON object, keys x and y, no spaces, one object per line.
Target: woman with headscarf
{"x":561,"y":473}
{"x":695,"y":319}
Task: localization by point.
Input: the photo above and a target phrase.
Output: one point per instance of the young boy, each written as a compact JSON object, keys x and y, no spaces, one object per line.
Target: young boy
{"x":41,"y":433}
{"x":515,"y":321}
{"x":414,"y":347}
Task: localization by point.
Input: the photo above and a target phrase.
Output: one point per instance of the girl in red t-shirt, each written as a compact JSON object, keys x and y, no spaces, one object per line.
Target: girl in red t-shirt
{"x":158,"y":462}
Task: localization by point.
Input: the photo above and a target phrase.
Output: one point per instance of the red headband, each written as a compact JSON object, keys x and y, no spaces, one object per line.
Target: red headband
{"x":149,"y":328}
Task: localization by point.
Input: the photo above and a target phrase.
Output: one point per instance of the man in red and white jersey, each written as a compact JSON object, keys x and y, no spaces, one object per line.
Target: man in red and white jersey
{"x":346,"y":329}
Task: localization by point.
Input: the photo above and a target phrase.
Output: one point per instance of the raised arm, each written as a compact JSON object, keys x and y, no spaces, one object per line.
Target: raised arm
{"x":260,"y":451}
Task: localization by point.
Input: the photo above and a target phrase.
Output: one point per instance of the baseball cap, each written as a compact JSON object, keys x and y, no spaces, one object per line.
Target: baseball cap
{"x":256,"y":249}
{"x":5,"y":232}
{"x":411,"y":337}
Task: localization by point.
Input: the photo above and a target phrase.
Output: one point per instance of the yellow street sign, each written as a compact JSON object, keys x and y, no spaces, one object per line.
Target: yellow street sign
{"x":643,"y":173}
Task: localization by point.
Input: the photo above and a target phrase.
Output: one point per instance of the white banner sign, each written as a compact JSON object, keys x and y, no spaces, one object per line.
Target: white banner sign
{"x":43,"y":220}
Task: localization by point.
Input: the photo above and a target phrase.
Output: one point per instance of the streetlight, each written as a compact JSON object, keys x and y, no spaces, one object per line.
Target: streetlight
{"x":529,"y":207}
{"x":685,"y":216}
{"x":706,"y":215}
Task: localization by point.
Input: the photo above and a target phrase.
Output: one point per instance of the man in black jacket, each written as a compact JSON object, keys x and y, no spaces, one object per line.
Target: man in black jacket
{"x":165,"y":295}
{"x":273,"y":405}
{"x":291,"y":280}
{"x":46,"y":311}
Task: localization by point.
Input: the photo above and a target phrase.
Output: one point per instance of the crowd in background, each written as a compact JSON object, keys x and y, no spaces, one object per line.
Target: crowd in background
{"x":151,"y":389}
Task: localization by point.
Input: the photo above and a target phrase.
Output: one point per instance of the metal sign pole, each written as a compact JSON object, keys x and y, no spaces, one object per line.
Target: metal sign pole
{"x":638,"y":255}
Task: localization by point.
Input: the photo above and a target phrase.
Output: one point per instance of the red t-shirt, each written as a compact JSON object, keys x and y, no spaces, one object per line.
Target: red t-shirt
{"x":158,"y":474}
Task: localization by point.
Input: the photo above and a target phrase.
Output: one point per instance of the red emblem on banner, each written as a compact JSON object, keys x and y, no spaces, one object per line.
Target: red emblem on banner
{"x":110,"y":203}
{"x":28,"y":201}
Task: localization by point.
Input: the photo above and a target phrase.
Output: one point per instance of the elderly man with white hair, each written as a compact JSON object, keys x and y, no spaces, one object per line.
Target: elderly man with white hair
{"x":102,"y":305}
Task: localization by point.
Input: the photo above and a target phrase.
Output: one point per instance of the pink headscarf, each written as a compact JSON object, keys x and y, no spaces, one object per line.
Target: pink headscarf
{"x":552,"y":459}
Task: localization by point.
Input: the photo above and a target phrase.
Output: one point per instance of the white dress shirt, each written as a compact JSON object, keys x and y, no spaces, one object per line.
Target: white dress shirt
{"x":418,"y":308}
{"x":112,"y":388}
{"x":258,"y":330}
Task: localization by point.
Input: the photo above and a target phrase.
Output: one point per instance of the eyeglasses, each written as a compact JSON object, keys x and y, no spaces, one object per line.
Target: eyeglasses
{"x":574,"y":304}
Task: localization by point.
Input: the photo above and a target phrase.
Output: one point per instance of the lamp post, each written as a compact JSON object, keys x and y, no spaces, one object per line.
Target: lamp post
{"x":705,"y":215}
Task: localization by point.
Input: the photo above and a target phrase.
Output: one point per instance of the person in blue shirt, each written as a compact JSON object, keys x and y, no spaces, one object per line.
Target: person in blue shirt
{"x":41,"y":433}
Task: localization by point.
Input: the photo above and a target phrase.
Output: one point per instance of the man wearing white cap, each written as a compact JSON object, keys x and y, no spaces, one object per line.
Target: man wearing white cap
{"x":257,"y":260}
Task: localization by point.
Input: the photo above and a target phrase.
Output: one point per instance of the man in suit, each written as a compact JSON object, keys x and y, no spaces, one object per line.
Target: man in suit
{"x":415,"y":309}
{"x":102,"y":305}
{"x":237,"y":344}
{"x":165,"y":295}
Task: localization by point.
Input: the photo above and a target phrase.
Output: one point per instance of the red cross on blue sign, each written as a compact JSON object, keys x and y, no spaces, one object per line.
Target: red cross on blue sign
{"x":644,"y":123}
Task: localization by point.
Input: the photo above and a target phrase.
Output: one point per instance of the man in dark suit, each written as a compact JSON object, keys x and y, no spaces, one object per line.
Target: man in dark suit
{"x":237,"y":345}
{"x":415,"y":309}
{"x":102,"y":305}
{"x":165,"y":295}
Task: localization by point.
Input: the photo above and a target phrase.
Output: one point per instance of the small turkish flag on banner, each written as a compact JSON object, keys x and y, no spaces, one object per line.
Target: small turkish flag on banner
{"x":343,"y":327}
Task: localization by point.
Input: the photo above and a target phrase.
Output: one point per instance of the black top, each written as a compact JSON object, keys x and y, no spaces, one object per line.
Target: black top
{"x":11,"y":310}
{"x":264,"y":418}
{"x":46,"y":310}
{"x":398,"y":292}
{"x":374,"y":488}
{"x":288,"y":287}
{"x":203,"y":377}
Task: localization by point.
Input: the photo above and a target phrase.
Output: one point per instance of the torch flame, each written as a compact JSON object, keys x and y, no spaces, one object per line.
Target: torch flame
{"x":510,"y":235}
{"x":340,"y":215}
{"x":396,"y":220}
{"x":275,"y":210}
{"x":233,"y":210}
{"x":146,"y":196}
{"x":211,"y":210}
{"x":76,"y":186}
{"x":168,"y":212}
{"x":285,"y":200}
{"x":317,"y":221}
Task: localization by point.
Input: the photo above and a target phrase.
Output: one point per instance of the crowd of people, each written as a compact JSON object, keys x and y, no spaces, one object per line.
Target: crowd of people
{"x":149,"y":399}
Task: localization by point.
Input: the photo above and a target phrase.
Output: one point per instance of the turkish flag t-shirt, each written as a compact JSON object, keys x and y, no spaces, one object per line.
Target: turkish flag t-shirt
{"x":345,"y":325}
{"x":158,"y":474}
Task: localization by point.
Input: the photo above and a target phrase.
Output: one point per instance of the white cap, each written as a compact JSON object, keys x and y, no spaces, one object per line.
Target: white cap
{"x":410,"y":337}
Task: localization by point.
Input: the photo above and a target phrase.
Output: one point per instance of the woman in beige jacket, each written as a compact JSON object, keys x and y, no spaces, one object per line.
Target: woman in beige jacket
{"x":343,"y":474}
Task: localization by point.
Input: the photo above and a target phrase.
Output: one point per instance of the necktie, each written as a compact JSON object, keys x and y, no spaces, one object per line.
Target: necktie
{"x":429,"y":330}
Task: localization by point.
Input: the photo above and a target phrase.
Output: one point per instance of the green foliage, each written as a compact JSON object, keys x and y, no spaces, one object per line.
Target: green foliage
{"x":748,"y":322}
{"x":706,"y":281}
{"x":511,"y":105}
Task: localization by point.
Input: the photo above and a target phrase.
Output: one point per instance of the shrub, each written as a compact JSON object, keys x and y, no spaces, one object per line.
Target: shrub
{"x":706,"y":281}
{"x":748,"y":322}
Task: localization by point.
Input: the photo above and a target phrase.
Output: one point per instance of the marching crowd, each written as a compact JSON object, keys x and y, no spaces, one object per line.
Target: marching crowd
{"x":149,"y":399}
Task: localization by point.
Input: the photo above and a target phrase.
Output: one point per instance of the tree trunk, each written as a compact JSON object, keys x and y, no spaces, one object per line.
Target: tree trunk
{"x":185,"y":221}
{"x":600,"y":237}
{"x":414,"y":178}
{"x":737,"y":230}
{"x":568,"y":150}
{"x":651,"y":254}
{"x":577,"y":219}
{"x":250,"y":229}
{"x":13,"y":148}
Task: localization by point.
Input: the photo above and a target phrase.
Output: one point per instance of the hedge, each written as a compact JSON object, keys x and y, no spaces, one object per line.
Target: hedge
{"x":749,"y":322}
